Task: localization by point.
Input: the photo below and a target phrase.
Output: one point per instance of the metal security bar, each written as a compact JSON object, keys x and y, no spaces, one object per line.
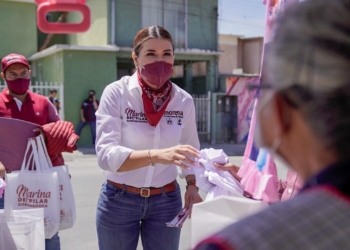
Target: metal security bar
{"x":43,"y":88}
{"x":202,"y":104}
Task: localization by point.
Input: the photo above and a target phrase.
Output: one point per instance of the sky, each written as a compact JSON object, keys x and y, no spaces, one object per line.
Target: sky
{"x":242,"y":17}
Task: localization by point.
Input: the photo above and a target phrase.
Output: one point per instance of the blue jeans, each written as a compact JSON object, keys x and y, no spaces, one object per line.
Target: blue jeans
{"x":50,"y":244}
{"x":2,"y":201}
{"x":92,"y":128}
{"x":123,"y":216}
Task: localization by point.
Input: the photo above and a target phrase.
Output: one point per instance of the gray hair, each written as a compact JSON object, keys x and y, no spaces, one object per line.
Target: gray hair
{"x":309,"y":63}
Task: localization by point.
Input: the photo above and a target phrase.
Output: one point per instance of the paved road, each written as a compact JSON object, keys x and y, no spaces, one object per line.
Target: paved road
{"x":87,"y":180}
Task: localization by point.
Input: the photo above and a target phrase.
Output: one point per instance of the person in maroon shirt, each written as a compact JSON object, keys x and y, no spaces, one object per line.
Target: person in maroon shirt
{"x":87,"y":114}
{"x":18,"y":102}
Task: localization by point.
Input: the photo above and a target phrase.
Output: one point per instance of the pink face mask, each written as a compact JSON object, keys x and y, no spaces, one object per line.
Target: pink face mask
{"x":18,"y":86}
{"x":157,"y":73}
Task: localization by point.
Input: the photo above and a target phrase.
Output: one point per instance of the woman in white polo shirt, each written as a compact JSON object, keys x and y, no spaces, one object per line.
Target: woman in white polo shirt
{"x":145,"y":128}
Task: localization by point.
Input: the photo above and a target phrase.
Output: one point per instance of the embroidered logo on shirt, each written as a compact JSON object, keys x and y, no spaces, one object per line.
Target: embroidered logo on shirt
{"x":175,"y":114}
{"x":133,"y":116}
{"x":140,"y":117}
{"x":169,"y":121}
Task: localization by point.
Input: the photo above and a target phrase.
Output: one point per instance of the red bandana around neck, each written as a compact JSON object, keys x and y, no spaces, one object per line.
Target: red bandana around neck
{"x":155,"y":101}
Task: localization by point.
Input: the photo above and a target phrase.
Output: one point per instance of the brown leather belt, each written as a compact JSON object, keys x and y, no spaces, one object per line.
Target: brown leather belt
{"x":146,"y":192}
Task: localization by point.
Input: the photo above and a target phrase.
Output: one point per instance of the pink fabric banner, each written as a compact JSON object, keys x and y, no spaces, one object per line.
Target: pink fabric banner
{"x":258,"y":170}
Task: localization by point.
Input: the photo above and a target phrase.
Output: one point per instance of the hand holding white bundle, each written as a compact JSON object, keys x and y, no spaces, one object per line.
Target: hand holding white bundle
{"x":213,"y":181}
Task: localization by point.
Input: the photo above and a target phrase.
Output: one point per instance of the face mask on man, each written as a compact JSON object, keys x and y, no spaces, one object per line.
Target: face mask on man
{"x":157,"y":73}
{"x":259,"y":137}
{"x":19,"y":86}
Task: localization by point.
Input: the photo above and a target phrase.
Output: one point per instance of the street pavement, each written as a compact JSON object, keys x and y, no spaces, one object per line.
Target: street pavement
{"x":87,"y":180}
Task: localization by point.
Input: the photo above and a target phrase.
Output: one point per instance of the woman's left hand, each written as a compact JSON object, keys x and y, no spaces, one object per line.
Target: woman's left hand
{"x":192,"y":194}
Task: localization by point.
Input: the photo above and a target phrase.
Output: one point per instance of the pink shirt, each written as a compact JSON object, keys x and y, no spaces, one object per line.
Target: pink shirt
{"x":291,"y":186}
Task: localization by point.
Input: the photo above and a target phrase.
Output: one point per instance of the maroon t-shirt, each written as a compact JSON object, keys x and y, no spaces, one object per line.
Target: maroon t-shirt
{"x":35,"y":108}
{"x":89,"y":110}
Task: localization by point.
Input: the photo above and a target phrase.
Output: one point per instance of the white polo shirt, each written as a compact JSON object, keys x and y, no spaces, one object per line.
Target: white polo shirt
{"x":122,"y":127}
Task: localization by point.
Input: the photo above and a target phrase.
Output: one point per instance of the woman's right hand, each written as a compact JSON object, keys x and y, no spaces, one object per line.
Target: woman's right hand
{"x":179,"y":155}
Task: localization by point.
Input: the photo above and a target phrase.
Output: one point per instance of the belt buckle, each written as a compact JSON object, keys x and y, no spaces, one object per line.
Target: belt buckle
{"x":145,"y":189}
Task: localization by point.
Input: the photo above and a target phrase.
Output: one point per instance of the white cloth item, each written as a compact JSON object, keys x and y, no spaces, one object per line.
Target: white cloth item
{"x":202,"y":181}
{"x":224,"y":185}
{"x":213,"y":181}
{"x":122,"y":127}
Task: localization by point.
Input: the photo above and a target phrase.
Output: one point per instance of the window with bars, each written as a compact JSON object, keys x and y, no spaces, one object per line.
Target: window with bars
{"x":171,"y":14}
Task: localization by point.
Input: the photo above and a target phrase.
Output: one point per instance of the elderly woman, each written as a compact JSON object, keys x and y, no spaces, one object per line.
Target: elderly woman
{"x":304,"y":118}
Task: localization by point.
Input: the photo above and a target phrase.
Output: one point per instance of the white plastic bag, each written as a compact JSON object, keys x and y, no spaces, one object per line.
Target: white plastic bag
{"x":22,"y":229}
{"x":17,"y":235}
{"x":35,"y":189}
{"x":6,"y":239}
{"x":26,"y":228}
{"x":67,"y":203}
{"x":211,"y":216}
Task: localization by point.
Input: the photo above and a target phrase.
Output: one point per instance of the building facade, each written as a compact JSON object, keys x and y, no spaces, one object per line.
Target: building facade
{"x":93,"y":59}
{"x":239,"y":65}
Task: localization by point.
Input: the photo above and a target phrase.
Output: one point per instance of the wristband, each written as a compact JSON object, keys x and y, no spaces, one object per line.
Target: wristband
{"x":191,"y":183}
